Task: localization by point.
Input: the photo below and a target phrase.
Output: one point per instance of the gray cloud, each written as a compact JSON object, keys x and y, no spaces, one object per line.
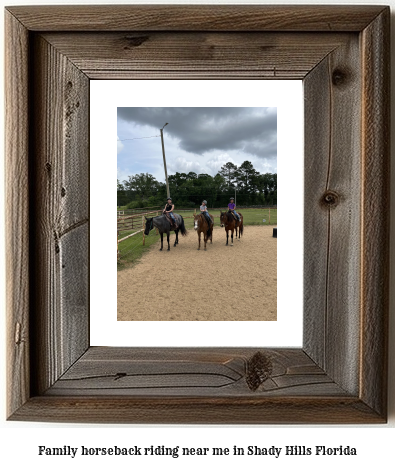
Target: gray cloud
{"x":252,"y":131}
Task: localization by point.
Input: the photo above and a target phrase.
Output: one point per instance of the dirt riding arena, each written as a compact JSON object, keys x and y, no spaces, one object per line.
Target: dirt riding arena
{"x":224,"y":283}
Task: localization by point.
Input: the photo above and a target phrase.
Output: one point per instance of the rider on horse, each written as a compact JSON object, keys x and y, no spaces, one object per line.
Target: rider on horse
{"x":204,"y":211}
{"x":168,"y":210}
{"x":232,"y":208}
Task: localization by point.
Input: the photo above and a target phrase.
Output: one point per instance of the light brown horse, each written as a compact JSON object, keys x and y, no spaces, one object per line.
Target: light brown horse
{"x":201,"y":225}
{"x":230,"y":223}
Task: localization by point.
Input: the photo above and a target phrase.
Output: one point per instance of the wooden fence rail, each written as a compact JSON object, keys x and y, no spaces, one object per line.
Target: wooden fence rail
{"x":139,"y":218}
{"x":136,"y":211}
{"x":133,"y":221}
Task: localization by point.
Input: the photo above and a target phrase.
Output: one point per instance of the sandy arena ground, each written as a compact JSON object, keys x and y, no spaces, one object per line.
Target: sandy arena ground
{"x":224,"y":283}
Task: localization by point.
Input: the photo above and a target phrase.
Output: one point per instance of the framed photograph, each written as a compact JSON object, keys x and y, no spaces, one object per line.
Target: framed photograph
{"x":148,"y":290}
{"x":339,"y":375}
{"x":218,"y":154}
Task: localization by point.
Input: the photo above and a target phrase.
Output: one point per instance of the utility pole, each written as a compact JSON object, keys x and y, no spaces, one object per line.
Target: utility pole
{"x":164,"y":159}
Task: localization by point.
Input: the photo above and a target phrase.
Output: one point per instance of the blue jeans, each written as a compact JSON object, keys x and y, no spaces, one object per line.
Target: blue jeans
{"x":237,"y":215}
{"x":208,"y":218}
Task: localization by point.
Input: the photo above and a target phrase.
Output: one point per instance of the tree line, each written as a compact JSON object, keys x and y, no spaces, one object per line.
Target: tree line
{"x":189,"y":189}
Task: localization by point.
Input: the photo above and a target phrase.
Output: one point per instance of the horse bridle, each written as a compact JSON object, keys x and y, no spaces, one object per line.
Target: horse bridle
{"x":226,"y":215}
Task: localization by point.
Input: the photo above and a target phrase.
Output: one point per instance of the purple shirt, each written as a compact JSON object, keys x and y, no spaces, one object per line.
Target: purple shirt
{"x":231,"y":206}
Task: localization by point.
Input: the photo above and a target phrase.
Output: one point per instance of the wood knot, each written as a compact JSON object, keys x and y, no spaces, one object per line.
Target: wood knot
{"x":330,"y":199}
{"x":48,"y":167}
{"x":63,"y":192}
{"x":259,"y":369}
{"x":135,"y":41}
{"x":340,"y":77}
{"x":119,"y":375}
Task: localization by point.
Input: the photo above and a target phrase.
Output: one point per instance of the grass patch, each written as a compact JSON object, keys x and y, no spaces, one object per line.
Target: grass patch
{"x":256,"y":216}
{"x":132,"y":249}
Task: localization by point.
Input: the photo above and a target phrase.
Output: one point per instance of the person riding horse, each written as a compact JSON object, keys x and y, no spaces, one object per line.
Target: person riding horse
{"x":232,"y":209}
{"x":204,"y":211}
{"x":168,"y":210}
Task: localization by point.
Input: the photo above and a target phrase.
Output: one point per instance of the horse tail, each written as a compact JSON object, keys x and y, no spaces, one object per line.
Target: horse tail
{"x":182,"y":227}
{"x":208,"y":225}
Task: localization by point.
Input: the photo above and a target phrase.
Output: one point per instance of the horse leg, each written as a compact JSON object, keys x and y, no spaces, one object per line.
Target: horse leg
{"x":232,"y":238}
{"x":227,"y":237}
{"x":176,"y":240}
{"x":199,"y":240}
{"x":168,"y":241}
{"x":205,"y":241}
{"x":161,"y":241}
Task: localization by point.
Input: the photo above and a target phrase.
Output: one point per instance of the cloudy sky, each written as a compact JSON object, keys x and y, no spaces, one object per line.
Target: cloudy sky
{"x":196,"y":139}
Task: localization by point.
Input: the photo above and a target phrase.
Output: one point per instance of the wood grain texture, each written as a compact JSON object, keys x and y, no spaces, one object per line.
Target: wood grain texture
{"x":193,"y":372}
{"x":198,"y":410}
{"x":196,"y":17}
{"x":60,"y":179}
{"x":332,"y":200}
{"x":376,"y":200}
{"x":17,"y":190}
{"x":191,"y":55}
{"x":339,"y":376}
{"x":317,"y":150}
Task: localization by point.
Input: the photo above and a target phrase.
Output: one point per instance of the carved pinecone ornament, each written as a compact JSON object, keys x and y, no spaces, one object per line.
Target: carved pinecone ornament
{"x":259,"y":369}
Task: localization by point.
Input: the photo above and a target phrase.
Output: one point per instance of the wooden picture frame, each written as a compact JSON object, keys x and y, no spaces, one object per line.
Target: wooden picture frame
{"x":340,"y":373}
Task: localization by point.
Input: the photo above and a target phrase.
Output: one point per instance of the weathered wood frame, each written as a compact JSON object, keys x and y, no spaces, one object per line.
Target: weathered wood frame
{"x":340,"y":374}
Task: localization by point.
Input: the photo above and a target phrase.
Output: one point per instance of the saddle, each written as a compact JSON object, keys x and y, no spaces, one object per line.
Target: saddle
{"x":172,"y":222}
{"x":209,"y":223}
{"x":234,"y":215}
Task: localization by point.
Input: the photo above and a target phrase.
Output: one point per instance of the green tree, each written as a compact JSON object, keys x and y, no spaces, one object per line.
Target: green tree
{"x":229,"y":172}
{"x":267,"y":185}
{"x":189,"y":189}
{"x":247,"y":178}
{"x":143,"y":184}
{"x":122,"y":196}
{"x":192,"y":175}
{"x":120,"y":186}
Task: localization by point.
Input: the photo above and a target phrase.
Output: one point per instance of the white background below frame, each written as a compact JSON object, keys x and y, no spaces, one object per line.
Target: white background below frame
{"x":106,"y":96}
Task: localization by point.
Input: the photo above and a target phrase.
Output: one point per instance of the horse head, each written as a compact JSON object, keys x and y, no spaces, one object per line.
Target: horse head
{"x":149,"y":225}
{"x":196,"y":220}
{"x":223,"y":218}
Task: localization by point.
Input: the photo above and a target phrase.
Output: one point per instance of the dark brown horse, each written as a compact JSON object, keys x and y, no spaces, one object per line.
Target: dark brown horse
{"x":228,"y":221}
{"x":201,"y":225}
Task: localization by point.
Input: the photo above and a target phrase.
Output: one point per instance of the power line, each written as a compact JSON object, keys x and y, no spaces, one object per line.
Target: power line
{"x":136,"y":138}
